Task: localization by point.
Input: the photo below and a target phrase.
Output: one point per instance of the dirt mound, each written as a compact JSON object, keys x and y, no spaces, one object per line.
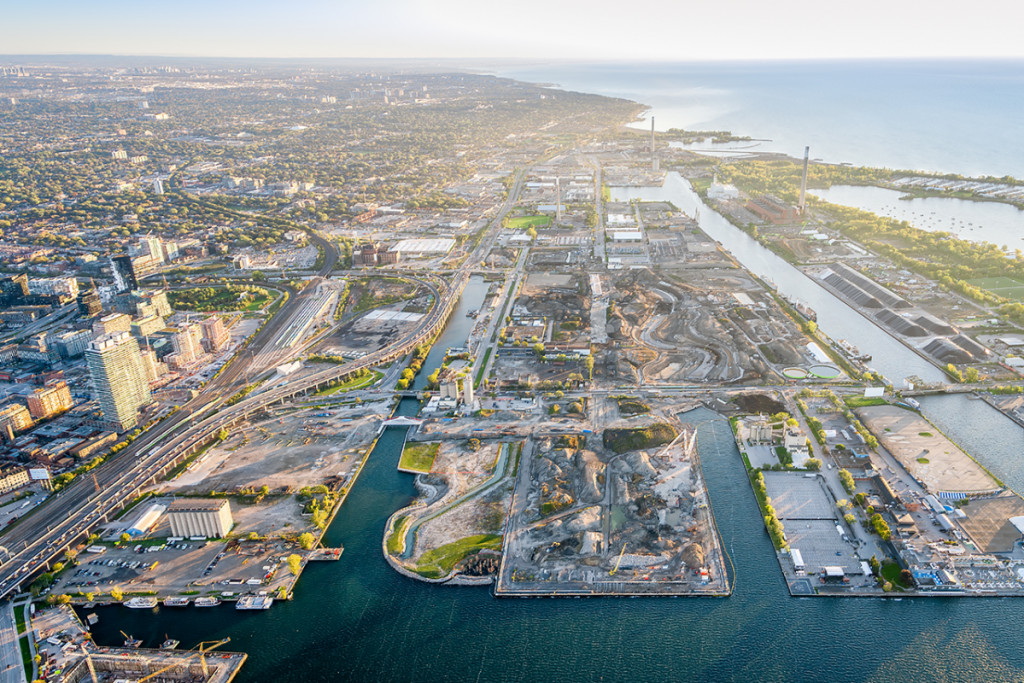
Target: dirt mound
{"x":759,"y":403}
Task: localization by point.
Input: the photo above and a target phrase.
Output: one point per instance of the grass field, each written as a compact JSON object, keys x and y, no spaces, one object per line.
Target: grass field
{"x":523,"y":222}
{"x":418,"y":457}
{"x":439,"y":561}
{"x":1001,"y":286}
{"x":352,"y":384}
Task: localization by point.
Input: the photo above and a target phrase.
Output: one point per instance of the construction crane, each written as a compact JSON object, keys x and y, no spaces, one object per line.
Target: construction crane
{"x":203,"y":649}
{"x":618,"y":561}
{"x":88,"y":663}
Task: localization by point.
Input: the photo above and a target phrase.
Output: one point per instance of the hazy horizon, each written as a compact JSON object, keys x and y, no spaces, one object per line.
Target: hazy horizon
{"x":459,"y":29}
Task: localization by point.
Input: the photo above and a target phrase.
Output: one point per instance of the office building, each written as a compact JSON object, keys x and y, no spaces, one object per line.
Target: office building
{"x":72,"y":344}
{"x":109,"y":324}
{"x":124,"y":274}
{"x":89,"y":303}
{"x":12,"y":478}
{"x":198,"y":517}
{"x":147,"y":326}
{"x":118,"y":378}
{"x":187,"y":342}
{"x":66,"y":288}
{"x":214,"y":334}
{"x":50,"y":400}
{"x":14,"y":416}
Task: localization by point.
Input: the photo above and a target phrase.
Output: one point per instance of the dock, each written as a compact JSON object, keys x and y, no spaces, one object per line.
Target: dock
{"x":326,"y":554}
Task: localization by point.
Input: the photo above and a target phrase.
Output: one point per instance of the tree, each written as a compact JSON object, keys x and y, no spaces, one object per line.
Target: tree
{"x":531,"y":232}
{"x":588,"y":363}
{"x":116,"y":594}
{"x":70,"y":555}
{"x":125,"y":538}
{"x":972,"y":375}
{"x":294,"y":564}
{"x":538,"y":349}
{"x":63,"y":599}
{"x":813,"y":464}
{"x":253,"y":536}
{"x":907,"y":578}
{"x":876,"y":566}
{"x":306,"y":541}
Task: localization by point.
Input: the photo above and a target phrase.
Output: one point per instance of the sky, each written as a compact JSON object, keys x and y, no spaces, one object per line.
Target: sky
{"x":657,"y":30}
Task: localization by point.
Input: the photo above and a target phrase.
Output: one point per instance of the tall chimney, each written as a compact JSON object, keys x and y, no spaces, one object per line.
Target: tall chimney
{"x":803,"y":182}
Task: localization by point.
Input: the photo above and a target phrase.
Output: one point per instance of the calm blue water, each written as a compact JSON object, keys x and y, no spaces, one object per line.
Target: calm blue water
{"x":1000,"y":224}
{"x":357,"y":620}
{"x":952,"y":117}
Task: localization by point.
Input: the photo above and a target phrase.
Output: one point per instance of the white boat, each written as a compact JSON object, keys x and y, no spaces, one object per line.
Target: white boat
{"x":177,"y":601}
{"x":254,"y":602}
{"x":141,"y":603}
{"x":207,"y":602}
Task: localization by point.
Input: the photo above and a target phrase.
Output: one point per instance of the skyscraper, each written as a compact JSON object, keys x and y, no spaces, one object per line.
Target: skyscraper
{"x":118,"y":378}
{"x":124,"y":274}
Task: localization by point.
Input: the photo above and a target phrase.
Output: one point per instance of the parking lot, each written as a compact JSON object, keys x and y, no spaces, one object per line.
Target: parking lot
{"x":184,"y":568}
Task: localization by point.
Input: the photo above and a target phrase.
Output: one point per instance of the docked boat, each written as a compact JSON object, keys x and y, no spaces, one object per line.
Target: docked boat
{"x":170,"y":644}
{"x":326,"y":554}
{"x":91,"y":618}
{"x":177,"y":601}
{"x":254,"y":602}
{"x":131,"y":642}
{"x":141,"y":603}
{"x":207,"y":602}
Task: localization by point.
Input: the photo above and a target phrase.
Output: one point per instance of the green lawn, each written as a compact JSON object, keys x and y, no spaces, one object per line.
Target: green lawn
{"x":862,"y":402}
{"x":418,"y":457}
{"x":524,"y":222}
{"x":352,"y":384}
{"x":439,"y":561}
{"x":1001,"y":286}
{"x":395,"y":540}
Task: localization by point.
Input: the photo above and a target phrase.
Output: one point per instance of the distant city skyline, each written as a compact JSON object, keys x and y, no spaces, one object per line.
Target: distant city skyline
{"x":528,"y":29}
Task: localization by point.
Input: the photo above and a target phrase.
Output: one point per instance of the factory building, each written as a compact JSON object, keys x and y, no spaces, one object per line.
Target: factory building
{"x":198,"y":517}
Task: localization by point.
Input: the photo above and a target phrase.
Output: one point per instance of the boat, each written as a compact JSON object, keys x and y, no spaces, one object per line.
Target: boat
{"x":207,"y":602}
{"x":177,"y":601}
{"x":91,"y":618}
{"x":141,"y":603}
{"x":326,"y":554}
{"x":170,"y":644}
{"x":254,"y":602}
{"x":131,"y":642}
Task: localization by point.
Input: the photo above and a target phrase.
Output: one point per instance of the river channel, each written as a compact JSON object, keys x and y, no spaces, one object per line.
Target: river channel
{"x":357,"y":620}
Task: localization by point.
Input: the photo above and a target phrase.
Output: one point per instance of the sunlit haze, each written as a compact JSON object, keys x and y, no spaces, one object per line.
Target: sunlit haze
{"x":598,"y":29}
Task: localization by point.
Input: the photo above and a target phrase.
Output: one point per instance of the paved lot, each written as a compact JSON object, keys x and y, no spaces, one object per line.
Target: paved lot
{"x":988,"y":523}
{"x":795,"y":496}
{"x":818,"y":543}
{"x":11,"y":669}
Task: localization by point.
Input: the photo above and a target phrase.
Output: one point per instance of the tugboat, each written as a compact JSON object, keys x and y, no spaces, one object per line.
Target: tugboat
{"x":134,"y":643}
{"x":169,"y":643}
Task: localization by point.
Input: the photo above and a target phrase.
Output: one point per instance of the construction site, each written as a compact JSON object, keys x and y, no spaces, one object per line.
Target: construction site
{"x":626,"y":515}
{"x":67,"y":654}
{"x":722,"y":328}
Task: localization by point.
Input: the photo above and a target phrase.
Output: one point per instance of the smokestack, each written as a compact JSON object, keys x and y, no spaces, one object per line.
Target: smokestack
{"x":654,"y":156}
{"x":803,"y":182}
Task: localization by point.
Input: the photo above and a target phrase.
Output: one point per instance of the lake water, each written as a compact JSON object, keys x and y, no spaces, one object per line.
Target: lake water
{"x":999,"y":224}
{"x":357,"y":620}
{"x":952,"y":117}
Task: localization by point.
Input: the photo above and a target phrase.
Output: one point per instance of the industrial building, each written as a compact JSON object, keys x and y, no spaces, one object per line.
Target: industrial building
{"x":147,"y":520}
{"x":118,"y":378}
{"x":198,"y":517}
